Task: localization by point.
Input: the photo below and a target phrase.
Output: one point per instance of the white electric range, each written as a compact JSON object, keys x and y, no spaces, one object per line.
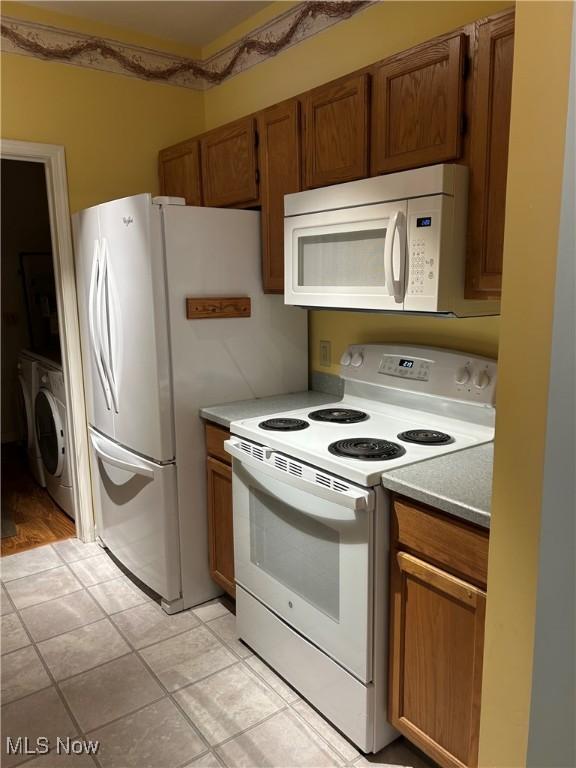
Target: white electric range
{"x":311,"y":519}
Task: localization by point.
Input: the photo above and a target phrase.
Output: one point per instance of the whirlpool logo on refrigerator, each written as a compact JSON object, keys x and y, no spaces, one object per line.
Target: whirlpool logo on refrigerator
{"x":128,"y":220}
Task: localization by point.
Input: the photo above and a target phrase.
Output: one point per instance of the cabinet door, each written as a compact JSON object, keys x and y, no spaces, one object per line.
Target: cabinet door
{"x":489,"y":129}
{"x":179,"y":172}
{"x":229,"y":170}
{"x":220,"y":534}
{"x":279,"y":143}
{"x":336,"y":132}
{"x":417,"y":104}
{"x":437,"y":636}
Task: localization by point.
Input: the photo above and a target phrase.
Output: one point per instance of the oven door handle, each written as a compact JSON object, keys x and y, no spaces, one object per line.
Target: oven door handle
{"x":354,"y":498}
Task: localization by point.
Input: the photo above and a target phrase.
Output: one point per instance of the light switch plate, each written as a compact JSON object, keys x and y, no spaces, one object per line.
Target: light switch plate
{"x":325,"y":354}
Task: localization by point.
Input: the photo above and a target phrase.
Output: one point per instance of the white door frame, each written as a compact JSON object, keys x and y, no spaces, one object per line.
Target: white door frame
{"x":54,"y":160}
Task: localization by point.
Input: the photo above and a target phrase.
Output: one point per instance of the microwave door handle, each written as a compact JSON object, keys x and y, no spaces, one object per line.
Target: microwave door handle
{"x":399,"y":284}
{"x":396,"y":226}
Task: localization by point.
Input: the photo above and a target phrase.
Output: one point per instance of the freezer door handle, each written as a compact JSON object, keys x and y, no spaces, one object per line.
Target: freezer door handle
{"x":119,"y":457}
{"x":95,"y":279}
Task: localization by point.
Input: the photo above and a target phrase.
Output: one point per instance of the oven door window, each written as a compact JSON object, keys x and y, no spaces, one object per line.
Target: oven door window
{"x":309,"y":560}
{"x":296,"y":550}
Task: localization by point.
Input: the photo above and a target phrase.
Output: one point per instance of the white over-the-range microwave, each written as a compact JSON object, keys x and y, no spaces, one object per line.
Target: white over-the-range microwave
{"x":394,"y":243}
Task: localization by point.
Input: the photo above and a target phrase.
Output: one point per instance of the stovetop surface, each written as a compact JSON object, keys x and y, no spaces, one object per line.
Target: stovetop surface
{"x":385,"y":422}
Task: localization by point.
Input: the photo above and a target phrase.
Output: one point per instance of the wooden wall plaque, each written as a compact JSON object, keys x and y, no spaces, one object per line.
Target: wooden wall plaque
{"x":202,"y":307}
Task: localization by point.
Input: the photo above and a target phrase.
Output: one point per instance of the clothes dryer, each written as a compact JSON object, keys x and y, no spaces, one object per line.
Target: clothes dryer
{"x":50,"y":420}
{"x":28,"y":389}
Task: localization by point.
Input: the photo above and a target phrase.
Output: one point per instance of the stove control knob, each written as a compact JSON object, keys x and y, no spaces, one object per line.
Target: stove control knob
{"x":346,"y":359}
{"x":463,"y":376}
{"x":481,"y":380}
{"x":357,"y":359}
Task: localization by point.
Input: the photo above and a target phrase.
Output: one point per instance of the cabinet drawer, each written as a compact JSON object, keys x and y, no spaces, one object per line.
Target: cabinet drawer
{"x":215,"y":437}
{"x":458,"y":547}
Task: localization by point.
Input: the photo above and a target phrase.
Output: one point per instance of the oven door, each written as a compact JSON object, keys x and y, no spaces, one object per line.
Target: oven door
{"x":305,"y":551}
{"x":352,"y":258}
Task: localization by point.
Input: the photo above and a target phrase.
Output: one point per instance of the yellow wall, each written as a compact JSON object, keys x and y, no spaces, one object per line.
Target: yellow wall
{"x":539,"y":104}
{"x":111,"y":126}
{"x":373,"y":34}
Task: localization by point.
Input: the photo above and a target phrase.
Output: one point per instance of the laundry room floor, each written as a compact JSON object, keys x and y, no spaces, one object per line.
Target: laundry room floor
{"x":37,"y":518}
{"x":88,"y":655}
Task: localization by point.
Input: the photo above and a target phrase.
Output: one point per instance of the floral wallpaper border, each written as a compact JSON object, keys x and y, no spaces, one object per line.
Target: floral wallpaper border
{"x":68,"y":47}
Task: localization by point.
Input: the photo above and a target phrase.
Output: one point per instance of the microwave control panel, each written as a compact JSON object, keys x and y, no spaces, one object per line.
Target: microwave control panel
{"x":424,"y":220}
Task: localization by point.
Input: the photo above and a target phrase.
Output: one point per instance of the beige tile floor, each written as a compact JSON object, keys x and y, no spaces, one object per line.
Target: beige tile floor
{"x":86,"y":654}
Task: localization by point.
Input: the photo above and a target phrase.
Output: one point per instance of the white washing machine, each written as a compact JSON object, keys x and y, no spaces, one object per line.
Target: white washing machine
{"x":50,"y":420}
{"x":28,"y":387}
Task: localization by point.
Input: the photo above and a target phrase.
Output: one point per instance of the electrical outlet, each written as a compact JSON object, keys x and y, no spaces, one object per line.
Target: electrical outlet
{"x":325,"y":354}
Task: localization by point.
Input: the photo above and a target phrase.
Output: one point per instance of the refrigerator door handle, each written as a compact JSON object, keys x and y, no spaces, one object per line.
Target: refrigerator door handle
{"x":103,"y":314}
{"x":114,"y":312}
{"x":95,"y":280}
{"x":119,"y":457}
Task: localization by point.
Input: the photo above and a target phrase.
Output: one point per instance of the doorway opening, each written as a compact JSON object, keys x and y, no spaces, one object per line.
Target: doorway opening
{"x":37,"y":494}
{"x":46,"y":493}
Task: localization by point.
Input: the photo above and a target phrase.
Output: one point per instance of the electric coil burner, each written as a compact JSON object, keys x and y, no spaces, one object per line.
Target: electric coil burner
{"x":366,"y":449}
{"x":338,"y":415}
{"x":425,"y":437}
{"x":284,"y":425}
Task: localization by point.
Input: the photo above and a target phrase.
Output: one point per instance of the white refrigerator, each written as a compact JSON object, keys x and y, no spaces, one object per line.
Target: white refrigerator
{"x":148,"y":370}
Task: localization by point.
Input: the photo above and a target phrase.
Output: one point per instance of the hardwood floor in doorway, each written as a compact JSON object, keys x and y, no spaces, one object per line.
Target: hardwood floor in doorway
{"x":38,"y":519}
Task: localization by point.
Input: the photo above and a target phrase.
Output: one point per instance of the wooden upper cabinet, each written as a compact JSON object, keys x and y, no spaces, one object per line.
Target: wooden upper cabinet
{"x":436,"y":660}
{"x":179,"y":171}
{"x":489,"y":132}
{"x":280,"y":174}
{"x":335,"y":120}
{"x":229,"y":164}
{"x":417,"y":106}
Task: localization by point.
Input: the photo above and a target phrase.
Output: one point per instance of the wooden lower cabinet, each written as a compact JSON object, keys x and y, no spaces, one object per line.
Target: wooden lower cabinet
{"x":220,"y":520}
{"x":436,"y":647}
